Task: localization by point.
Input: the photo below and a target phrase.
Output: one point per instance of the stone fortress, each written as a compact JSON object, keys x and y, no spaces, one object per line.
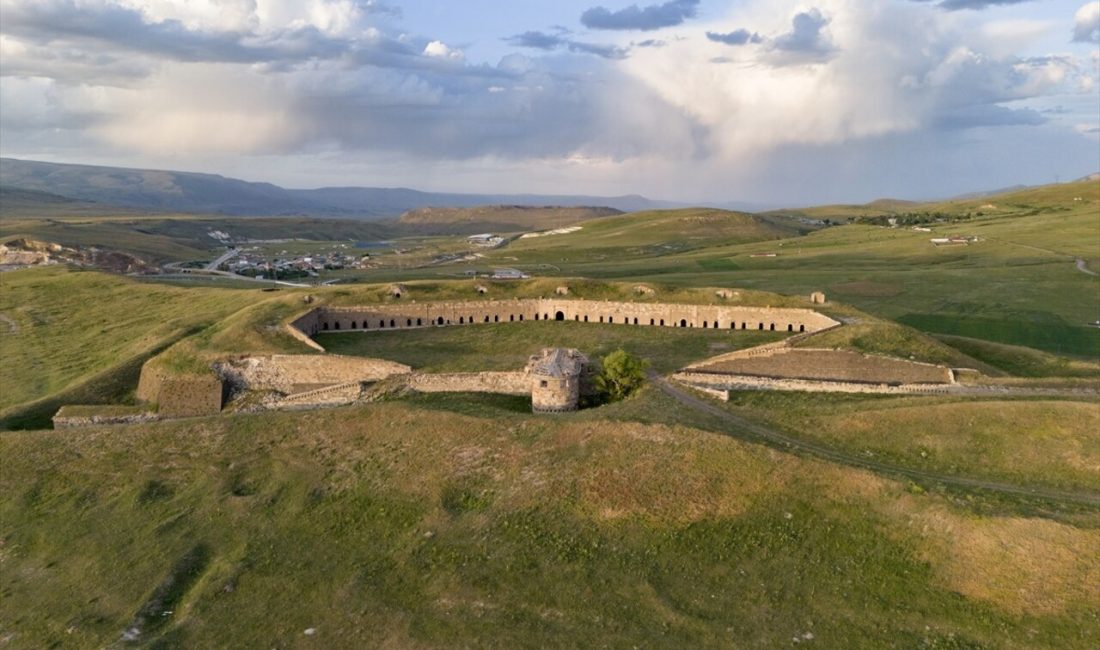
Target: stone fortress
{"x":436,"y":314}
{"x":554,"y":379}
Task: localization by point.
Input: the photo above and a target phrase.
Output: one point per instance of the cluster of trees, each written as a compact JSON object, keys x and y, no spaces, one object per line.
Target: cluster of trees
{"x":917,"y":218}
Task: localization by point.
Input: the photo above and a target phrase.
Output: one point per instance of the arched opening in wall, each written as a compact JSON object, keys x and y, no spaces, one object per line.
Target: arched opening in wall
{"x":611,"y":319}
{"x":536,"y":315}
{"x":511,"y":318}
{"x":461,"y":320}
{"x":337,"y":324}
{"x":354,"y":325}
{"x":790,"y":328}
{"x":662,"y":322}
{"x":496,"y":319}
{"x":546,"y":317}
{"x":601,"y":319}
{"x":801,"y":328}
{"x":586,"y":318}
{"x":744,"y":325}
{"x":761,"y":328}
{"x":393,"y":323}
{"x":486,"y":318}
{"x":577,"y":317}
{"x":706,"y":324}
{"x":408,"y":322}
{"x":771,"y":327}
{"x":324,"y":326}
{"x":733,"y":325}
{"x":651,"y":321}
{"x":382,"y":324}
{"x":559,"y":315}
{"x":521,"y":317}
{"x":683,"y":323}
{"x":419,"y":322}
{"x":470,"y":319}
{"x":439,"y":321}
{"x":366,"y":325}
{"x":635,"y":320}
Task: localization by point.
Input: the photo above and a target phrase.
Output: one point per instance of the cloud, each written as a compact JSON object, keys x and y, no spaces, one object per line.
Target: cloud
{"x":537,"y":40}
{"x":1086,"y":23}
{"x":736,"y":37}
{"x":548,"y":42}
{"x":76,"y":23}
{"x":806,"y":41}
{"x":648,"y":18}
{"x":440,"y":50}
{"x":978,"y":5}
{"x":880,"y":68}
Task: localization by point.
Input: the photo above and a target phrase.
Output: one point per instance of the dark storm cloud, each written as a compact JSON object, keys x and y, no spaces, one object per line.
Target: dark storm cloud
{"x":548,"y":42}
{"x":736,"y":37}
{"x":646,"y":18}
{"x":536,"y":40}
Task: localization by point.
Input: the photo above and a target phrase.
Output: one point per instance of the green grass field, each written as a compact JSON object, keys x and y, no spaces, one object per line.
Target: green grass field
{"x":68,"y":326}
{"x":507,"y":346}
{"x":399,"y":526}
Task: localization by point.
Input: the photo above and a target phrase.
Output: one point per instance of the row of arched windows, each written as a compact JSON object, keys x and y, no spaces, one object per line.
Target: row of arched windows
{"x":559,"y":316}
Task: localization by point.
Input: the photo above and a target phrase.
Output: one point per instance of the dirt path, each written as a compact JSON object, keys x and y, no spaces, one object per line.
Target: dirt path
{"x":1083,"y":267}
{"x":754,"y":432}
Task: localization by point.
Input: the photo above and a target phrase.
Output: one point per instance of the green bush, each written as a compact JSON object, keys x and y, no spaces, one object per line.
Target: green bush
{"x":621,"y":374}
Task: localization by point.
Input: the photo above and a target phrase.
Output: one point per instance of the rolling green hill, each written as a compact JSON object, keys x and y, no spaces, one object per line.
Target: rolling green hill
{"x":657,"y":232}
{"x":507,"y":218}
{"x":409,"y":525}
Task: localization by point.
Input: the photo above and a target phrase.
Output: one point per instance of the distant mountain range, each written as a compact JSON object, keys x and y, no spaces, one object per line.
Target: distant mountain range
{"x":186,"y":192}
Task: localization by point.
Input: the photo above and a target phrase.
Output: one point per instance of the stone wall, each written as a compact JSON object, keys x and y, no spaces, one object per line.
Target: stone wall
{"x":435,"y":314}
{"x":827,"y":365}
{"x":288,"y":373}
{"x":505,"y":383}
{"x":304,"y":327}
{"x":65,"y":421}
{"x":179,"y":395}
{"x":713,"y":384}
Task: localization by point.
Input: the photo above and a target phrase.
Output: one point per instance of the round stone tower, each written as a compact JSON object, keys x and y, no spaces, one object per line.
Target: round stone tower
{"x":556,"y":380}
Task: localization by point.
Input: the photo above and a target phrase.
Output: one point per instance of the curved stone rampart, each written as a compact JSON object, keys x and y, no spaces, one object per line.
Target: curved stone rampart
{"x":437,"y":314}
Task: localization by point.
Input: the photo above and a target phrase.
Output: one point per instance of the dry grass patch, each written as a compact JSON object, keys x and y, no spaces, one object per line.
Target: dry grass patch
{"x":1024,"y":566}
{"x":1043,"y":442}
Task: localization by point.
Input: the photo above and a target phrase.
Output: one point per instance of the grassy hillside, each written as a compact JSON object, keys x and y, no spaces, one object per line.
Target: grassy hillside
{"x":180,"y":237}
{"x":1017,"y":285}
{"x":404,"y":526}
{"x":1045,"y":199}
{"x":655,"y":232}
{"x":504,"y":217}
{"x":62,"y":326}
{"x":1051,"y":443}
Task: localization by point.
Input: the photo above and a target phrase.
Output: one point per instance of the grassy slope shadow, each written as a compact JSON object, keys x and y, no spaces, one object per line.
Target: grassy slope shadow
{"x":112,"y":386}
{"x":161,"y":604}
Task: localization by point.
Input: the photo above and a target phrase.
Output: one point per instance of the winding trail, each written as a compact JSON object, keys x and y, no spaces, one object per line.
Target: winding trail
{"x":1083,"y":267}
{"x":755,"y":432}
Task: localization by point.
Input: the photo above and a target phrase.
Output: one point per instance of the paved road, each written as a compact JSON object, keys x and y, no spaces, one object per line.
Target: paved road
{"x":757,"y":432}
{"x":226,"y":256}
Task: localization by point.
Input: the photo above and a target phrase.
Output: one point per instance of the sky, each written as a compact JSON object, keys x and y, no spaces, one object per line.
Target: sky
{"x":770,"y":102}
